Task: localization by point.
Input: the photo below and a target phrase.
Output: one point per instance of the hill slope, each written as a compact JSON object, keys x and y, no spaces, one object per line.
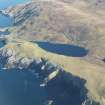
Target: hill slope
{"x":62,"y":21}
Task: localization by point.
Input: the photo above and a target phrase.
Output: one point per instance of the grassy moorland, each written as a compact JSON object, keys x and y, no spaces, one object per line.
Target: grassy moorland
{"x":65,"y":21}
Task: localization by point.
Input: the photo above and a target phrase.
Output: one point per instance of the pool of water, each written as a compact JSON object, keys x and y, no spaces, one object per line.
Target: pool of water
{"x":64,"y":49}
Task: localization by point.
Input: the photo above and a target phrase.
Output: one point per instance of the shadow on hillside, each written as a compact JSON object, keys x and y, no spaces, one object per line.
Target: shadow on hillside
{"x":64,"y":49}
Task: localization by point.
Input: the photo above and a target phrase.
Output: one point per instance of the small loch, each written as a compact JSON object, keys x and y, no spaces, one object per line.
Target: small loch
{"x":64,"y":49}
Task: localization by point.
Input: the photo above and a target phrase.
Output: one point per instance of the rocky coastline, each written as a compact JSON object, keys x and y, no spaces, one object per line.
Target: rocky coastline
{"x":48,"y":73}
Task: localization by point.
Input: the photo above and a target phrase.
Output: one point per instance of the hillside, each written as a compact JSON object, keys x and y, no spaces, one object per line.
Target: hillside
{"x":62,"y":21}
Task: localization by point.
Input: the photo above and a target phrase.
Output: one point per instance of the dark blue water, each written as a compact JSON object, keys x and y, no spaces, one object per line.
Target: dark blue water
{"x":20,"y":88}
{"x":64,"y":49}
{"x":23,"y":88}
